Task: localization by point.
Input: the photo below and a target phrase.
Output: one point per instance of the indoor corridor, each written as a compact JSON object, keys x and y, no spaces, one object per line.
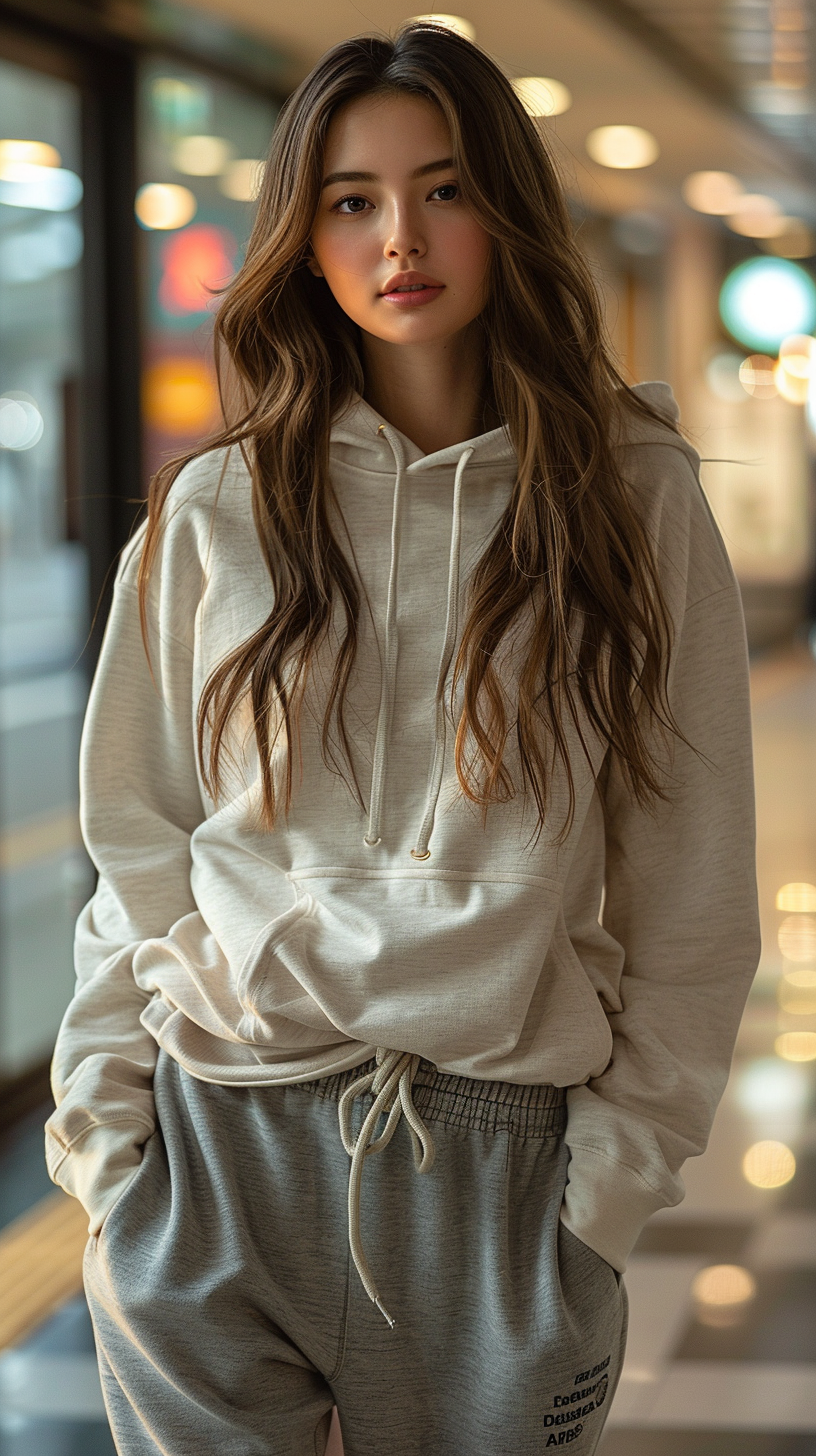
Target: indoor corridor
{"x":722,"y":1348}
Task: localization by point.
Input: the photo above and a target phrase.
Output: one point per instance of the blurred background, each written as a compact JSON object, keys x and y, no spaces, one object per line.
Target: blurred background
{"x":132,"y":136}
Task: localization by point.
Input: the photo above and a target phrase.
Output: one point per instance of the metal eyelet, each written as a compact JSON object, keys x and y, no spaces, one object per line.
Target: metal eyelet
{"x":372,"y":843}
{"x":415,"y":854}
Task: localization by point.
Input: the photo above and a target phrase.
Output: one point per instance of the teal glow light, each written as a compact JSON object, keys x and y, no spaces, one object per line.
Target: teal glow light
{"x":765,"y":299}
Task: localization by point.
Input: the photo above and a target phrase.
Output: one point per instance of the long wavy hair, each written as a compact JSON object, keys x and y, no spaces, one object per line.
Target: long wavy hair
{"x":570,"y":560}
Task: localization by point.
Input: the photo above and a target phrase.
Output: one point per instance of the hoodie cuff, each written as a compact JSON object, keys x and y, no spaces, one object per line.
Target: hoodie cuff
{"x":97,"y":1167}
{"x":606,"y":1204}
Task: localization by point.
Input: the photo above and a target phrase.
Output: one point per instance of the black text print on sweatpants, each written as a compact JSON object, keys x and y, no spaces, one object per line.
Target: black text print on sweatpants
{"x":230,"y":1317}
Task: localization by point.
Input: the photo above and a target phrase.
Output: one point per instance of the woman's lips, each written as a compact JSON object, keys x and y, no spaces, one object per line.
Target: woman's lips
{"x":412,"y":297}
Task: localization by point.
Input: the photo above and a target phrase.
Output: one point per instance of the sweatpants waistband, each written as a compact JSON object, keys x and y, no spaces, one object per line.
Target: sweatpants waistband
{"x":524,"y":1111}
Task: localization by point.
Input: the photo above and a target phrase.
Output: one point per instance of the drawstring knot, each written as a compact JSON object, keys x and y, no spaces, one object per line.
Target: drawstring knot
{"x":391,"y":1084}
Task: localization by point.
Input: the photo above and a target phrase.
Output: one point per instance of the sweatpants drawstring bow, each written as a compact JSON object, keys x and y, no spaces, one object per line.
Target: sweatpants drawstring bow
{"x":391,"y":1083}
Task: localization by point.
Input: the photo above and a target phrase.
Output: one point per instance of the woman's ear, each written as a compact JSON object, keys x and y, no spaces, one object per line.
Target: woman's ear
{"x":313,"y":266}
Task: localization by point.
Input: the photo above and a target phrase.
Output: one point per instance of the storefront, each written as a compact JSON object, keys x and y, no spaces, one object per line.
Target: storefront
{"x":105,"y":370}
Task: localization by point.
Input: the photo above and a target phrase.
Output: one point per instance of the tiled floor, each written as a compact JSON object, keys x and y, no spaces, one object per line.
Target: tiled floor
{"x":699,"y":1380}
{"x":745,"y":1387}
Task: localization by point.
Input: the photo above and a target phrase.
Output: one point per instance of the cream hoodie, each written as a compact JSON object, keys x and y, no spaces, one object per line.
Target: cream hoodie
{"x":411,"y":924}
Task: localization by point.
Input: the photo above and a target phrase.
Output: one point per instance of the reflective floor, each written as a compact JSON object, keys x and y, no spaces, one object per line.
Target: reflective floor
{"x":722,"y":1349}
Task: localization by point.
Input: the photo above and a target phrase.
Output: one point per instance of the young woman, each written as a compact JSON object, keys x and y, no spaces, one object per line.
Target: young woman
{"x":417,"y":772}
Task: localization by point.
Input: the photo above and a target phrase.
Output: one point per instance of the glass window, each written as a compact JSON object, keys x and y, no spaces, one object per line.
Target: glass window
{"x":44,"y":873}
{"x":202,"y":144}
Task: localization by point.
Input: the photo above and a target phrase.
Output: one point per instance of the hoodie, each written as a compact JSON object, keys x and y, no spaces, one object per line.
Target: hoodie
{"x":398,"y":921}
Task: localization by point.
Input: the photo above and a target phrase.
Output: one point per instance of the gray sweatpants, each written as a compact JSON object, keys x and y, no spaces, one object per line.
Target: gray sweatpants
{"x":230,"y":1318}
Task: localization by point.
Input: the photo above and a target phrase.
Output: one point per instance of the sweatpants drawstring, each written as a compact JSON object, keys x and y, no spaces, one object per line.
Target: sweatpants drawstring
{"x":391,"y":1082}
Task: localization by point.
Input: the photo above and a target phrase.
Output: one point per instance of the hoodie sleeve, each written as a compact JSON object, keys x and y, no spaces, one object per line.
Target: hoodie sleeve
{"x":140,"y":802}
{"x":681,"y":903}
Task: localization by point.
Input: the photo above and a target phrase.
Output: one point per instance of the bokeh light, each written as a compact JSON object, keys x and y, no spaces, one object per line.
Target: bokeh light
{"x":764,"y":299}
{"x":179,"y":396}
{"x":32,"y":154}
{"x":797,"y":938}
{"x":796,"y":1000}
{"x":624,"y":147}
{"x":722,"y":1293}
{"x":767,"y":1086}
{"x":716,"y":193}
{"x":796,"y":1046}
{"x":542,"y":96}
{"x":242,"y":179}
{"x":21,"y":423}
{"x":797,"y":240}
{"x":163,"y":206}
{"x":756,"y":376}
{"x":797,"y":896}
{"x":42,"y":189}
{"x":768,"y":1164}
{"x":756,"y":216}
{"x":195,"y":261}
{"x":201,"y":156}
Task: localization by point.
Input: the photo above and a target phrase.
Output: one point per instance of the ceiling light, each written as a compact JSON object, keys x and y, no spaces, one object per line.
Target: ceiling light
{"x":541,"y":96}
{"x":622,"y":146}
{"x":797,"y":896}
{"x":456,"y":23}
{"x":242,"y":179}
{"x":163,"y":205}
{"x":201,"y":156}
{"x":36,"y":154}
{"x":764,"y":299}
{"x":716,"y":193}
{"x":768,"y":1164}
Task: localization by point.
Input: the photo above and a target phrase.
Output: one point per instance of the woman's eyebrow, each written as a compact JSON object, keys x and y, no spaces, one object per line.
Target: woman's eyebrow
{"x":373,"y":177}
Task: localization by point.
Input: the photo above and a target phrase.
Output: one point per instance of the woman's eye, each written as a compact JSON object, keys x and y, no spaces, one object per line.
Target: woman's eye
{"x":446,"y":191}
{"x":350,"y":205}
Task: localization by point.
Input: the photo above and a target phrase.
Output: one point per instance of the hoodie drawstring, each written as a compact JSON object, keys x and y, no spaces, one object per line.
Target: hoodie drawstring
{"x":391,"y":1084}
{"x":372,"y":836}
{"x":421,"y":850}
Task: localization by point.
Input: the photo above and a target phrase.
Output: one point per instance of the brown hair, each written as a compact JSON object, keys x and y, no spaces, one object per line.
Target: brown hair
{"x":570,"y":549}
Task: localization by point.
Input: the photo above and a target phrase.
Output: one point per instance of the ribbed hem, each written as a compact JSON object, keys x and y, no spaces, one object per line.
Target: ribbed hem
{"x":531,"y":1111}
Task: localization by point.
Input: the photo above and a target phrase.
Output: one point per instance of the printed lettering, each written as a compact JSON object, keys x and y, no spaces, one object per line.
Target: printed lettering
{"x":579,"y":1379}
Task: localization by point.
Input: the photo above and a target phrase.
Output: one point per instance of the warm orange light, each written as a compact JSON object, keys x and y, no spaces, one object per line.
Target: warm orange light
{"x":179,"y":396}
{"x":791,"y":386}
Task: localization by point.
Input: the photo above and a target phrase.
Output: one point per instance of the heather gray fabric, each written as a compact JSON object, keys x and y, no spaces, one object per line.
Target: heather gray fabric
{"x":230,"y":1317}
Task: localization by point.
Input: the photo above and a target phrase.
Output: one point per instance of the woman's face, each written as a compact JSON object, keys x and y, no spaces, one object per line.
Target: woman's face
{"x":401,"y":252}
